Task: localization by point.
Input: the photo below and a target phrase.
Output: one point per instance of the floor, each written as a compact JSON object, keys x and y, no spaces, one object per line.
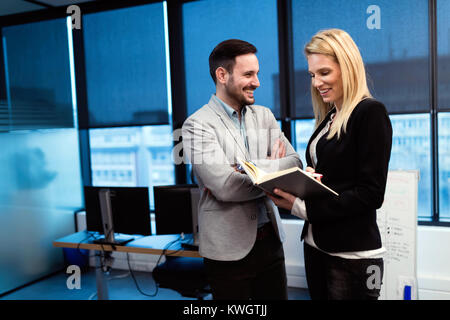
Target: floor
{"x":121,"y":286}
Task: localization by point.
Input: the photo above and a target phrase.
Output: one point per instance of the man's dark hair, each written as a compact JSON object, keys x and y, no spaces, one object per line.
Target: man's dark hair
{"x":224,"y":55}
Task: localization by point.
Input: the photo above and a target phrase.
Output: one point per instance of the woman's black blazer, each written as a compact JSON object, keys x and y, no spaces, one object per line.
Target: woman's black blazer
{"x":356,"y":167}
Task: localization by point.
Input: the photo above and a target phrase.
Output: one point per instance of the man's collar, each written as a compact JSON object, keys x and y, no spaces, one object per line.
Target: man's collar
{"x":229,"y":110}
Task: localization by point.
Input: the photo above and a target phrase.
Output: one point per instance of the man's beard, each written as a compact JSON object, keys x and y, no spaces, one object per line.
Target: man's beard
{"x":239,"y":96}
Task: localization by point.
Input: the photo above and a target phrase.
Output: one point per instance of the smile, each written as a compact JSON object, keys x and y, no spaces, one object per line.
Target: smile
{"x":325,"y":91}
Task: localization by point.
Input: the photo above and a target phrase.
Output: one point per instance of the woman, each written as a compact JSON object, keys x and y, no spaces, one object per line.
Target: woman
{"x":350,"y":147}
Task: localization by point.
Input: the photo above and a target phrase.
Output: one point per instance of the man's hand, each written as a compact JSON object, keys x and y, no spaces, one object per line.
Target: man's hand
{"x":278,"y":150}
{"x":284,"y":200}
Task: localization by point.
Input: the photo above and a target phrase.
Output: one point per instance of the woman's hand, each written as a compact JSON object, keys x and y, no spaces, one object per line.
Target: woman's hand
{"x":284,"y":200}
{"x":317,"y":176}
{"x":309,"y":169}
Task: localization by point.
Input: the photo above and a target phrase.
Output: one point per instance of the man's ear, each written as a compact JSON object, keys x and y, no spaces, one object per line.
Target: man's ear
{"x":222,"y":75}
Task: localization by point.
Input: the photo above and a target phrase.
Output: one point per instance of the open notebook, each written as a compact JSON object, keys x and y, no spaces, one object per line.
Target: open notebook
{"x":294,"y":180}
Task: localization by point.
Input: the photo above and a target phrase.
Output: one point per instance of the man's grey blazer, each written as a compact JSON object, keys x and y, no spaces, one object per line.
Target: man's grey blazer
{"x":227,"y":214}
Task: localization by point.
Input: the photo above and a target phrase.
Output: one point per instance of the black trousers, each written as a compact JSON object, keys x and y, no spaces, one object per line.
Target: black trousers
{"x":261,"y":275}
{"x":335,"y":278}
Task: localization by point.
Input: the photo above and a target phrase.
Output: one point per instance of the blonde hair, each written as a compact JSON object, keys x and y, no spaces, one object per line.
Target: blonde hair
{"x":340,"y":46}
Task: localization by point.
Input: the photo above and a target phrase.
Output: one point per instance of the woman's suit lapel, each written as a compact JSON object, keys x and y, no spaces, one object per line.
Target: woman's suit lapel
{"x":314,"y":135}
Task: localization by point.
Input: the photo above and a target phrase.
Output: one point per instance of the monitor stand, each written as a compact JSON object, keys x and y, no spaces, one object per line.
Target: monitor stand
{"x":107,"y":222}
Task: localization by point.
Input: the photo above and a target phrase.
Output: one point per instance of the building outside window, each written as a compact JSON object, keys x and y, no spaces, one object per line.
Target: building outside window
{"x":132,"y":156}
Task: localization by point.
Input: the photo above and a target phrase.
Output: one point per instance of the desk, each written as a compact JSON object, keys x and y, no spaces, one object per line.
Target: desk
{"x":143,"y":244}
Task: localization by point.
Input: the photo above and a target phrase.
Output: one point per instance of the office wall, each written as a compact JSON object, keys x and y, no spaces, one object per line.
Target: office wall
{"x":40,"y":187}
{"x":433,"y":261}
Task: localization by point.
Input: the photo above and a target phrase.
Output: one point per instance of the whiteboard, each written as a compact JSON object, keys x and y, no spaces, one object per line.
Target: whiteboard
{"x":397,"y":221}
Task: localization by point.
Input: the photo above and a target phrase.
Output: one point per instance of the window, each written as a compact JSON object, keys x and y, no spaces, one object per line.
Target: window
{"x":38,"y":77}
{"x":129,"y":98}
{"x":397,"y":67}
{"x":397,"y":72}
{"x":303,"y":131}
{"x":411,"y":150}
{"x":126,"y":71}
{"x":41,"y":182}
{"x":207,"y":23}
{"x":443,"y":51}
{"x":132,"y":156}
{"x":444,"y":165}
{"x":128,"y":79}
{"x":443,"y":90}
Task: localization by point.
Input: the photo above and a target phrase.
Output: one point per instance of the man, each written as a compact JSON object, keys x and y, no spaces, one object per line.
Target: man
{"x":240,"y":230}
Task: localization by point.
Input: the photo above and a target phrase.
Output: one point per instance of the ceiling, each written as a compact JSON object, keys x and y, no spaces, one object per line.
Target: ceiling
{"x":8,"y":7}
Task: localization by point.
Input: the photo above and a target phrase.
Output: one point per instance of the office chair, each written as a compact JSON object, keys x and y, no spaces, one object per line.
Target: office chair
{"x":174,"y":208}
{"x":184,"y":275}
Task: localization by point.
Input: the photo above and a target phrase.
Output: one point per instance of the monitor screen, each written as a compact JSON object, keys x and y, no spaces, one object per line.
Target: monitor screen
{"x":130,"y":208}
{"x":174,"y":207}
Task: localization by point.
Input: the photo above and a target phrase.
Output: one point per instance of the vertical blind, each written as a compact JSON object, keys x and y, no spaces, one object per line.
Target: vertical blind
{"x":393,"y":41}
{"x":126,"y":71}
{"x":205,"y":25}
{"x":37,"y":77}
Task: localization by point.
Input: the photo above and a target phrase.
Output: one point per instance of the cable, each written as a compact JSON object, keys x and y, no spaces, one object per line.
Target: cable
{"x":79,"y":243}
{"x":157,"y":263}
{"x":86,"y":256}
{"x":91,"y":297}
{"x":137,"y":285}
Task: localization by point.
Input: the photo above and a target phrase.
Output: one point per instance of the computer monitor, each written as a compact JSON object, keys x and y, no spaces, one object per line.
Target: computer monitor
{"x":176,"y":209}
{"x":123,"y":210}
